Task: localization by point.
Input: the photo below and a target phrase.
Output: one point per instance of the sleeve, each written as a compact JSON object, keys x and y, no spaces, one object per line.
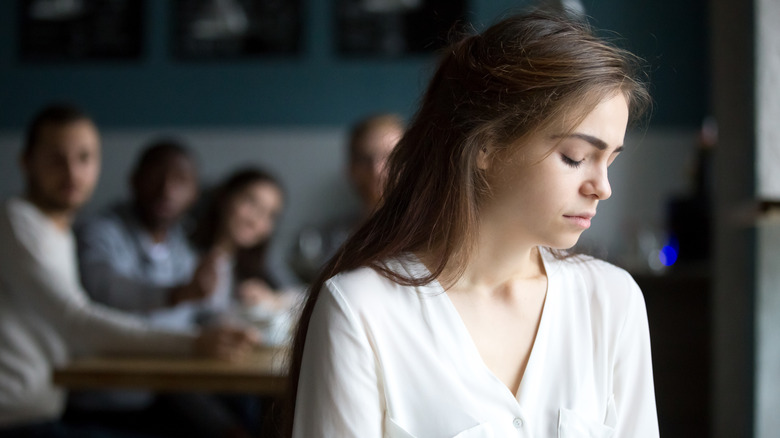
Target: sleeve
{"x":100,"y":251}
{"x":338,"y":390}
{"x":37,"y":277}
{"x":633,"y":389}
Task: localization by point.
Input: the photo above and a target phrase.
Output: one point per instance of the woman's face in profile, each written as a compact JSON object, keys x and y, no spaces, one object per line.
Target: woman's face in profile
{"x":251,"y":214}
{"x":546,"y":192}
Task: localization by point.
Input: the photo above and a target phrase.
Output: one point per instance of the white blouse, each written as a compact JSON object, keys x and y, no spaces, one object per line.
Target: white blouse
{"x":384,"y":360}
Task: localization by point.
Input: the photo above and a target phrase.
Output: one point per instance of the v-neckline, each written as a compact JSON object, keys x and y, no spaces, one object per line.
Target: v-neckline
{"x":476,"y":356}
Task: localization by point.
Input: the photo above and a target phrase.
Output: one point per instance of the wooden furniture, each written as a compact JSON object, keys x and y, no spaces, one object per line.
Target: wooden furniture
{"x":262,"y":373}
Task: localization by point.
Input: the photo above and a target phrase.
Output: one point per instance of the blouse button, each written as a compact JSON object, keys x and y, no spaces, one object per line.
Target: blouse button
{"x":517,"y":423}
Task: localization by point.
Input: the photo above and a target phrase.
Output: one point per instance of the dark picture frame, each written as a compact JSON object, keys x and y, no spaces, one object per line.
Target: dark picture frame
{"x":76,"y":30}
{"x":234,"y":29}
{"x":396,"y":28}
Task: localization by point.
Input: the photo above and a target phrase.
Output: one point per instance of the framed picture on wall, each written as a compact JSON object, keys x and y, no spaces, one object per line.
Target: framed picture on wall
{"x":218,"y":29}
{"x":63,"y":30}
{"x":392,"y":28}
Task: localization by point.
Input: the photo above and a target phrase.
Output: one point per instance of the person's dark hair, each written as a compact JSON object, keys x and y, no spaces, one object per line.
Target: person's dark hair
{"x":368,"y":124}
{"x":250,"y":262}
{"x":54,"y":114}
{"x":157,"y":150}
{"x":495,"y":89}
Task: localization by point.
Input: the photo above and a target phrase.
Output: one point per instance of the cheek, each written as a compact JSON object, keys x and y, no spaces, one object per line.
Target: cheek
{"x":184,"y":193}
{"x":45,"y":177}
{"x":362,"y":175}
{"x":48,"y":174}
{"x":88,"y":172}
{"x":530,"y":194}
{"x":94,"y":173}
{"x":244,"y":226}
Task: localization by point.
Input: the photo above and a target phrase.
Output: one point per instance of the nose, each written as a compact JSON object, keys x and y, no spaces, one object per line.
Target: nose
{"x":168,"y":187}
{"x":597,"y":184}
{"x":71,"y":168}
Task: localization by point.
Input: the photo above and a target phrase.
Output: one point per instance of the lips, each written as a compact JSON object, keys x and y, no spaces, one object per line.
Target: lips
{"x":163,"y":208}
{"x":69,"y":189}
{"x":581,"y":220}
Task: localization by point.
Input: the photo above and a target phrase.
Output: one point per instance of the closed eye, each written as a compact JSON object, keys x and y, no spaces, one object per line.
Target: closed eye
{"x":571,"y":163}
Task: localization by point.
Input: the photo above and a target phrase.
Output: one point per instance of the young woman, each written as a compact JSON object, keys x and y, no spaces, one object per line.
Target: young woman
{"x":453,"y":311}
{"x":234,"y":235}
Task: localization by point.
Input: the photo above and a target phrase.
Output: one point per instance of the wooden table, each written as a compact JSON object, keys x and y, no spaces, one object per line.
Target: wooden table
{"x":263,"y":373}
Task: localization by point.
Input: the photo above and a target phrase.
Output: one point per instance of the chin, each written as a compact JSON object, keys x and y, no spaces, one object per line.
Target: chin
{"x":78,"y":201}
{"x":70,"y":203}
{"x":563,"y":243}
{"x":247,"y":242}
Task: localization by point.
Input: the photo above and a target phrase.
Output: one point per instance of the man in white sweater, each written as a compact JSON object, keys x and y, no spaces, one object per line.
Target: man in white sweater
{"x":45,"y":315}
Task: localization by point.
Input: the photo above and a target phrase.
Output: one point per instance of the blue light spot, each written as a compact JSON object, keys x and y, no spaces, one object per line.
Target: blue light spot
{"x":667,"y":255}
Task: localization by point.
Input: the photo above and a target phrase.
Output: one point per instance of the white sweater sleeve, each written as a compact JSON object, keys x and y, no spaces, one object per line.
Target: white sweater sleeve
{"x":338,"y":390}
{"x":633,"y":372}
{"x":36,"y":275}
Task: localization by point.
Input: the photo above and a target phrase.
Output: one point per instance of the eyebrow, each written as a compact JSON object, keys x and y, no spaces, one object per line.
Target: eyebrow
{"x":595,"y":141}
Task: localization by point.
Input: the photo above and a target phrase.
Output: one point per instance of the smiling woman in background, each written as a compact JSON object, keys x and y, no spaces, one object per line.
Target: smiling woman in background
{"x":234,"y":236}
{"x":454,"y":311}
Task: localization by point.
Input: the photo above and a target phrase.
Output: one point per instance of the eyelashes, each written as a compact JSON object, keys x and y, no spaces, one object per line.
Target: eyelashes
{"x":569,"y":162}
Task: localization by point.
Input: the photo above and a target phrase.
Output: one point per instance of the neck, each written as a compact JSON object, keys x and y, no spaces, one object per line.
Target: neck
{"x":496,"y":262}
{"x":61,"y":217}
{"x":489,"y":269}
{"x":224,"y":246}
{"x":158,"y":235}
{"x":157,"y":231}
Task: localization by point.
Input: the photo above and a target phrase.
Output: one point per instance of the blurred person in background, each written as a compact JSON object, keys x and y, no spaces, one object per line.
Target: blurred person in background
{"x":46,"y":318}
{"x":235,"y":232}
{"x":371,"y":141}
{"x":136,"y":257}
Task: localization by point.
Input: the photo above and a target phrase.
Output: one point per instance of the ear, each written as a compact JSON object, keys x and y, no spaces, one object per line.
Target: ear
{"x":483,"y":158}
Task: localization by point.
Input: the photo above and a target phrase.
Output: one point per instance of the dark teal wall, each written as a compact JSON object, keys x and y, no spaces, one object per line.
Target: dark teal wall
{"x":316,"y":87}
{"x":673,"y":37}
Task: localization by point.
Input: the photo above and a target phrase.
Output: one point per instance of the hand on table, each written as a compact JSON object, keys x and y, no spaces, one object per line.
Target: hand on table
{"x":226,"y":343}
{"x":255,"y":292}
{"x":202,"y":284}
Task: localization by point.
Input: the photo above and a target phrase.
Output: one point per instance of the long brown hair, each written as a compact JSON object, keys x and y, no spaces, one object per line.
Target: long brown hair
{"x":494,"y":89}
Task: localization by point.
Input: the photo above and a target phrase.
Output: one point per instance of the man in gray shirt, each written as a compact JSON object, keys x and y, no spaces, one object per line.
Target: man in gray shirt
{"x":136,"y":256}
